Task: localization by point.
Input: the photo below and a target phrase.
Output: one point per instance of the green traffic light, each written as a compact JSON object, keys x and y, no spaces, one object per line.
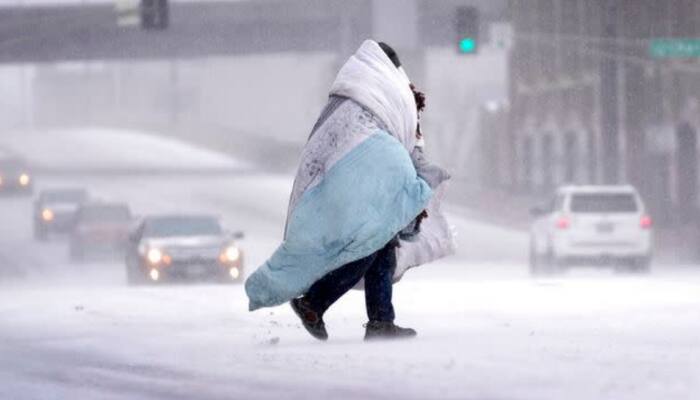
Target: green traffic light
{"x":467,"y":45}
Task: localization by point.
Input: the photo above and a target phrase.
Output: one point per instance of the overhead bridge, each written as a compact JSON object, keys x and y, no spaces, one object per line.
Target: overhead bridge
{"x":90,"y":31}
{"x":48,"y":33}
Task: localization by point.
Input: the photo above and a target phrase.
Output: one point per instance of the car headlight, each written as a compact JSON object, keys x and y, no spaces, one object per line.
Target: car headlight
{"x":154,"y":256}
{"x":154,"y":275}
{"x":230,"y":254}
{"x":24,"y":179}
{"x":47,"y":215}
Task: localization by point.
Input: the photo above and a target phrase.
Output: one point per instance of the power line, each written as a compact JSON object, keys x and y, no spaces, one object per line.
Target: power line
{"x":546,"y":40}
{"x":583,"y":38}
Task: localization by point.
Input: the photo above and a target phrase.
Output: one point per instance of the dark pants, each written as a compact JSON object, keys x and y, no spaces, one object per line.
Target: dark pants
{"x":377,"y":269}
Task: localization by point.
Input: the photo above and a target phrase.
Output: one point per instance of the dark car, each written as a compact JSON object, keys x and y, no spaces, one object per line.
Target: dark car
{"x":100,"y":229}
{"x":183,"y":247}
{"x":15,"y":176}
{"x":55,"y":210}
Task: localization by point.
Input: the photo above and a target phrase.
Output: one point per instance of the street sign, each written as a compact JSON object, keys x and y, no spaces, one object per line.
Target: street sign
{"x":675,"y":48}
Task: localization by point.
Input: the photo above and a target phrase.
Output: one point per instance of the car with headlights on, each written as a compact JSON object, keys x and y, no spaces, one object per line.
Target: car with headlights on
{"x":185,"y":248}
{"x":55,"y":210}
{"x":15,"y":176}
{"x":591,"y":225}
{"x":100,"y":228}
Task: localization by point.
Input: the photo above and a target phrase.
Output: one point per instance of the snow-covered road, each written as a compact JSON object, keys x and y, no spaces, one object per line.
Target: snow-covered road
{"x":486,"y":330}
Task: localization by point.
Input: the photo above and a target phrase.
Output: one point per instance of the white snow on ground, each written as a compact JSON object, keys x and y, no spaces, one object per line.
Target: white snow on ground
{"x":592,"y":338}
{"x":486,"y":330}
{"x":95,"y":149}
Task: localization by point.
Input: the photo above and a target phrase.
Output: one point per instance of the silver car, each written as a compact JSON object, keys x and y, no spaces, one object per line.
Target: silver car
{"x":185,"y":248}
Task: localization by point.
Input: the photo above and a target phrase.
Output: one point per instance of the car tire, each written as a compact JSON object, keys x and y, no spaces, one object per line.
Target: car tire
{"x":538,"y":262}
{"x":544,"y":265}
{"x":134,"y":275}
{"x":559,"y":266}
{"x":641,"y":265}
{"x":77,"y":252}
{"x":136,"y":278}
{"x":534,"y":262}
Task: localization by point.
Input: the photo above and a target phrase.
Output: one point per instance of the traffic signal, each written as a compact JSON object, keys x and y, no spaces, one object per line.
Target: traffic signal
{"x":154,"y":14}
{"x":467,"y":29}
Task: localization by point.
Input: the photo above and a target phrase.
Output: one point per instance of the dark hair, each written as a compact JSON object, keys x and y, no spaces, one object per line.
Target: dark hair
{"x":390,"y":53}
{"x":419,"y":97}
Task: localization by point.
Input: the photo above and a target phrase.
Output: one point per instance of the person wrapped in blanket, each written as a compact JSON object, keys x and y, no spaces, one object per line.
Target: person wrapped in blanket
{"x":378,"y":268}
{"x":355,"y":191}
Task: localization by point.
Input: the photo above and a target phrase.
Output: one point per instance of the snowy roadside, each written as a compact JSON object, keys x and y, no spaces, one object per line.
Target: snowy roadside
{"x":107,"y":150}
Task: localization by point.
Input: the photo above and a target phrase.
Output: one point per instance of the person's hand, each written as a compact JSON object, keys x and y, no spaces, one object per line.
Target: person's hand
{"x":420,"y":218}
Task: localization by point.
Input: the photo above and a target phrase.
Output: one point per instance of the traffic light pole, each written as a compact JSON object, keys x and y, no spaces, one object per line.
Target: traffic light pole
{"x":609,"y":114}
{"x":174,"y":101}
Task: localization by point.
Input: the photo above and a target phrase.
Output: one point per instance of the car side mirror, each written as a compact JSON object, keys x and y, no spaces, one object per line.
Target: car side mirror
{"x":238,"y":235}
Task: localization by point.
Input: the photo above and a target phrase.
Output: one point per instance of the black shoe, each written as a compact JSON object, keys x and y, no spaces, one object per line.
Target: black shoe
{"x":387,"y":330}
{"x":309,"y":318}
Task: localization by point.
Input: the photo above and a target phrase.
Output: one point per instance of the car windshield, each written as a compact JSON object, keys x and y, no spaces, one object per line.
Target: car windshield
{"x":603,"y":203}
{"x":64,"y":196}
{"x":105,"y":214}
{"x":183,"y":226}
{"x":11,"y":166}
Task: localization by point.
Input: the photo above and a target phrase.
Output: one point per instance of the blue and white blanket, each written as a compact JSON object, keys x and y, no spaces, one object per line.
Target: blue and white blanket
{"x":356,"y":186}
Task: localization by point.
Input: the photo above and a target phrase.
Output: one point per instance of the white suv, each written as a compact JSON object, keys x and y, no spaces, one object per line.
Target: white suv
{"x":603,"y":225}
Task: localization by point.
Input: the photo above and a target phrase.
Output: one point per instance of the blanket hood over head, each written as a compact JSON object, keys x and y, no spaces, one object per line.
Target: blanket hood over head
{"x":370,"y":78}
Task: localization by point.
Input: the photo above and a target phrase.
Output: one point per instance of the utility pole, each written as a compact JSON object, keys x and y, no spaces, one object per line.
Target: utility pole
{"x":635,"y":115}
{"x":174,"y":101}
{"x":26,"y":91}
{"x":609,"y":117}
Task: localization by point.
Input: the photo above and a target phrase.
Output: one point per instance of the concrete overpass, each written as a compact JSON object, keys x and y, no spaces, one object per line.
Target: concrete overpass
{"x":48,"y":33}
{"x":188,"y":81}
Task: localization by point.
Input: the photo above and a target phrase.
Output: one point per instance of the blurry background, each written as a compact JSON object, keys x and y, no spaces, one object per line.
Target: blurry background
{"x":204,"y":106}
{"x":552,"y":91}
